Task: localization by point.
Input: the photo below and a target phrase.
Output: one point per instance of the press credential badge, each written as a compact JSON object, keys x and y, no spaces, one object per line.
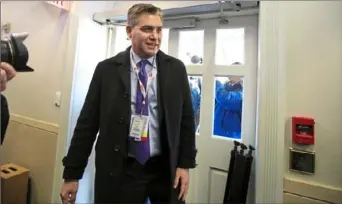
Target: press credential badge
{"x":139,"y":126}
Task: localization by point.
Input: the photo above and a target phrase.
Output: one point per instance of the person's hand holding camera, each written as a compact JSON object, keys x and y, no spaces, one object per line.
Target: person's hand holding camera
{"x":7,"y":74}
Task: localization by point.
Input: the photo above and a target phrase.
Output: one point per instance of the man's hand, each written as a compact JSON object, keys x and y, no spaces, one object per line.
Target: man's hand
{"x":7,"y":73}
{"x":68,"y":192}
{"x":182,"y":176}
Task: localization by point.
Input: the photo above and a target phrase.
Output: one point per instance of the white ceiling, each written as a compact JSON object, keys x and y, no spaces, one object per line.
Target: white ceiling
{"x":103,"y":8}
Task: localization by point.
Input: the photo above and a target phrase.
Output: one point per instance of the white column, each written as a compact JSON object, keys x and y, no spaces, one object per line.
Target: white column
{"x":271,"y":106}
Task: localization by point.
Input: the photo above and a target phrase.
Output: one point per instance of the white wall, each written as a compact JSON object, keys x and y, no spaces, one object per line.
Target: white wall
{"x":91,"y":49}
{"x":313,"y":60}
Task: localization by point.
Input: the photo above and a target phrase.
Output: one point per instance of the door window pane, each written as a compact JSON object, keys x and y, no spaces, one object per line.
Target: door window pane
{"x":230,"y":47}
{"x":196,"y":95}
{"x":228,"y":107}
{"x":190,"y":49}
{"x":122,"y":41}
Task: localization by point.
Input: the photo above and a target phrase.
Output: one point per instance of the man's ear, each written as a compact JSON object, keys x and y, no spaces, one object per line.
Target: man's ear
{"x":129,"y":32}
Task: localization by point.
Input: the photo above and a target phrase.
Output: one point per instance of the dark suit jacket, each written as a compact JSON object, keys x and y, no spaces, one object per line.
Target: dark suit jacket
{"x":107,"y":109}
{"x":4,"y":117}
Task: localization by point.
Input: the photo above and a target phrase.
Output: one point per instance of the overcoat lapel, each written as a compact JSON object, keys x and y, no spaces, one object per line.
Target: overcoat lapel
{"x":163,"y":67}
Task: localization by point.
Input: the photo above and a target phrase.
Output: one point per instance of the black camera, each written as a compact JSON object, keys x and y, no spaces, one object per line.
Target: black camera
{"x":14,"y":52}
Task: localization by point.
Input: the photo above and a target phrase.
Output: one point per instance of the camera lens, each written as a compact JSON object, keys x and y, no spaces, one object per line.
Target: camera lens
{"x":14,"y":52}
{"x":6,"y":52}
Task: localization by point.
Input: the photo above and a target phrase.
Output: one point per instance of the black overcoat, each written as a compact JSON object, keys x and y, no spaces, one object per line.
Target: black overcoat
{"x":107,"y":111}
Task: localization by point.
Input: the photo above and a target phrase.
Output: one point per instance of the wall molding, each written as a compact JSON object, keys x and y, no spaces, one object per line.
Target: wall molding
{"x":290,"y":198}
{"x":313,"y":190}
{"x":271,"y":106}
{"x":43,"y":125}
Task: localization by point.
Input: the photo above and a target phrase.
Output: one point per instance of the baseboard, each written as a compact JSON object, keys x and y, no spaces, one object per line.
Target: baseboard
{"x":290,"y":198}
{"x":50,"y":127}
{"x":313,"y":191}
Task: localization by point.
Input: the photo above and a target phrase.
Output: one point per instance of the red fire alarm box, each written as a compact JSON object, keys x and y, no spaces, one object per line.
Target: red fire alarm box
{"x":303,"y":130}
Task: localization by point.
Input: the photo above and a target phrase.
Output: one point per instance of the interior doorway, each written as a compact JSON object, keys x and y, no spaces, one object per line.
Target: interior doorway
{"x":221,"y":61}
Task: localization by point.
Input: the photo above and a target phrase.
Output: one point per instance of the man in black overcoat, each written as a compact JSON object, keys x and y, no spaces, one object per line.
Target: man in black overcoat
{"x":139,"y":105}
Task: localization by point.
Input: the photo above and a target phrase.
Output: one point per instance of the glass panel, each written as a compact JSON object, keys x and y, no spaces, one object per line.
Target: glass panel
{"x":230,"y":46}
{"x":228,"y":107}
{"x":122,"y":41}
{"x":196,"y":93}
{"x":191,"y":45}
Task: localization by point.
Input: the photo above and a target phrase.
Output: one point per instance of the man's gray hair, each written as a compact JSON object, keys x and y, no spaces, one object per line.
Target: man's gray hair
{"x":138,"y":9}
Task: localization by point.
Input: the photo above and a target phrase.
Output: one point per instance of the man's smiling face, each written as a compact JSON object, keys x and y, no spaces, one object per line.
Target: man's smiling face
{"x":146,"y":35}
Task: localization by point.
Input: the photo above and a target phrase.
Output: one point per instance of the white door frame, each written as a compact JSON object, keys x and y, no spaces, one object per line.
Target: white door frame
{"x":270,"y":108}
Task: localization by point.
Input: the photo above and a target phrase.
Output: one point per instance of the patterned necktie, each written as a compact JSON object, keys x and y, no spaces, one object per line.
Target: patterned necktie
{"x":142,"y":148}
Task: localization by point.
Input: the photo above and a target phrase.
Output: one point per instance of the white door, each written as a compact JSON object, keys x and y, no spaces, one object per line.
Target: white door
{"x":214,"y":54}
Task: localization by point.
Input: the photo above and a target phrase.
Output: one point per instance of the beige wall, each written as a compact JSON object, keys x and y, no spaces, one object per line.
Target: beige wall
{"x":313,"y":60}
{"x":36,"y":122}
{"x":31,"y":138}
{"x":35,"y":149}
{"x":32,"y":94}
